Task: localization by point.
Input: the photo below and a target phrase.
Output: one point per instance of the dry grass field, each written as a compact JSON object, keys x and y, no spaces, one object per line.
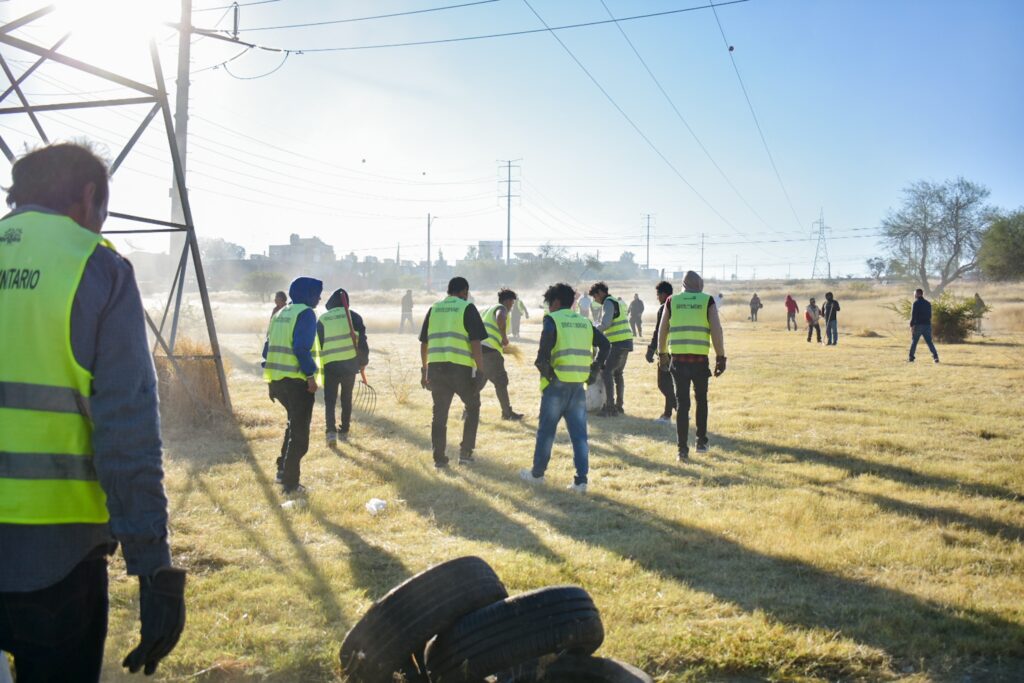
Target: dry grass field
{"x":857,"y":517}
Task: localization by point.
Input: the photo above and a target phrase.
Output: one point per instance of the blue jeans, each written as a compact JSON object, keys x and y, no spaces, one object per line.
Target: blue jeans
{"x":926,"y":332}
{"x":569,"y":401}
{"x":832,"y":332}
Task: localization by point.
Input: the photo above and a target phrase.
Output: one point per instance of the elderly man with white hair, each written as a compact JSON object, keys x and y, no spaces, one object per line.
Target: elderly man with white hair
{"x":689,"y":327}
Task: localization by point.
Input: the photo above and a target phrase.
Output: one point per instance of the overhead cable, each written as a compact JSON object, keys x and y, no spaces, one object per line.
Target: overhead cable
{"x":369,"y":18}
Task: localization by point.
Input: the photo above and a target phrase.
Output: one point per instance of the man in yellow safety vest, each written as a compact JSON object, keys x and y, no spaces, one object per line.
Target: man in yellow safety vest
{"x":80,"y":451}
{"x":563,"y":360}
{"x":614,"y":323}
{"x":450,"y":352}
{"x":496,"y":323}
{"x":689,"y":327}
{"x":290,"y":368}
{"x":343,"y":353}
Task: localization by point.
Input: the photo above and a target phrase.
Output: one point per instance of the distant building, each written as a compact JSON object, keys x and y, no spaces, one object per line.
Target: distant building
{"x":489,"y":249}
{"x":302,"y":250}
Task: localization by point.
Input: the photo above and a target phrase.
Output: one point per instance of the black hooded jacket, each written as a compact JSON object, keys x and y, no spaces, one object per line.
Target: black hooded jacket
{"x":362,"y":348}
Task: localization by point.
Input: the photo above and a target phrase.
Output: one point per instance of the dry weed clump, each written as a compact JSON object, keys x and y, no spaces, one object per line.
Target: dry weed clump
{"x":192,"y":397}
{"x":399,"y":378}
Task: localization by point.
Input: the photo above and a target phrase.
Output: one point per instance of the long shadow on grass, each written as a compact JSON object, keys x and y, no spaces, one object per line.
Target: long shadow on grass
{"x":791,"y":591}
{"x":855,"y":466}
{"x":466,"y":514}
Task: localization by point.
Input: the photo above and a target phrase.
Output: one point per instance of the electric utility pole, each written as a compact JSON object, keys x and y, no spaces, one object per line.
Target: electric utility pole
{"x":429,"y":259}
{"x":507,"y":167}
{"x":647,"y":262}
{"x":702,"y":254}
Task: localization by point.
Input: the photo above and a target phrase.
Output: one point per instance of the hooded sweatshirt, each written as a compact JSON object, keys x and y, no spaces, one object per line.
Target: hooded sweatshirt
{"x":338,"y":300}
{"x":304,"y":290}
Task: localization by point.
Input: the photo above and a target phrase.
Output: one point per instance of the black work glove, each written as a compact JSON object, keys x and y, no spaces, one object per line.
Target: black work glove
{"x":650,"y":355}
{"x":162,"y":614}
{"x":719,"y":365}
{"x":595,"y":373}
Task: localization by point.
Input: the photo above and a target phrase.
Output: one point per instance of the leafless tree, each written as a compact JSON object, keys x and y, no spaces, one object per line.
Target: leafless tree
{"x":935,"y":235}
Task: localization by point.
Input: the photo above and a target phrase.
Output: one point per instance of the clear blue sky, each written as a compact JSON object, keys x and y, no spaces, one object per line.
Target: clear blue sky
{"x":856,"y":100}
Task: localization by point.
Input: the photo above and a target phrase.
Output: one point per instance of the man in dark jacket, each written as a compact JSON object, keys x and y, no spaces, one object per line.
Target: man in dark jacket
{"x":80,"y":451}
{"x":343,"y":353}
{"x":636,"y":316}
{"x":921,"y":325}
{"x":830,"y":312}
{"x":292,"y":372}
{"x":665,"y":386}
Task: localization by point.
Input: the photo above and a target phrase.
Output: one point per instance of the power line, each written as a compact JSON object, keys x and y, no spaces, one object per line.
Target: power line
{"x":626,"y":116}
{"x":682,"y":118}
{"x":459,"y":39}
{"x":750,"y":105}
{"x":377,"y":16}
{"x":231,"y":6}
{"x":253,"y":78}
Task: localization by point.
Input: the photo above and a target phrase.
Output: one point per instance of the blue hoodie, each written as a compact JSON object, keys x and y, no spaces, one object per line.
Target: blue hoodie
{"x":304,"y":290}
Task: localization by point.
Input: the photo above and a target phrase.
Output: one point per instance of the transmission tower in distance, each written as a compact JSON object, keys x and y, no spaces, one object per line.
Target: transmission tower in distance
{"x":822,"y":265}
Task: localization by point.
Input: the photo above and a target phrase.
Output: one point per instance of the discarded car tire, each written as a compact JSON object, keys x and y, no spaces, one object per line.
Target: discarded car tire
{"x":401,"y":622}
{"x":571,"y":668}
{"x":514,"y":631}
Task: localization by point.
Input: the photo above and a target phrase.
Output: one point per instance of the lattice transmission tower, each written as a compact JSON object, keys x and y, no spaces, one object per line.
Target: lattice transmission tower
{"x":822,"y":265}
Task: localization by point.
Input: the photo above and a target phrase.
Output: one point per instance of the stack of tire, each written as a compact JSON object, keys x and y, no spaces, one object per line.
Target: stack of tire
{"x":455,"y":623}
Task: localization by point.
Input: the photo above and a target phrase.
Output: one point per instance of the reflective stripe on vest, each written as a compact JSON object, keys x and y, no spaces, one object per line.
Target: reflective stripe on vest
{"x":281,"y":361}
{"x":689,"y":331}
{"x":338,"y":344}
{"x":47,"y":475}
{"x":570,"y":358}
{"x":619,"y":329}
{"x":447,"y":338}
{"x":493,"y":340}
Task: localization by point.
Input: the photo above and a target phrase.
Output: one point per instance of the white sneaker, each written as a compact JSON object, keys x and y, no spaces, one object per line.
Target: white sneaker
{"x":527,"y":476}
{"x":578,"y":488}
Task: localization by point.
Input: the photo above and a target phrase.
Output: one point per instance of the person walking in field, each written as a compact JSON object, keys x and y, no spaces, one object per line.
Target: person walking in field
{"x":755,"y":306}
{"x":450,"y":350}
{"x":290,"y":367}
{"x":921,"y":325}
{"x":615,"y":327}
{"x":689,"y":328}
{"x":812,"y":314}
{"x":663,"y":291}
{"x":636,"y":316}
{"x":518,"y":313}
{"x":80,"y":453}
{"x":792,"y":308}
{"x":344,"y":352}
{"x":280,"y":299}
{"x":406,"y":312}
{"x":830,"y":312}
{"x":493,"y":370}
{"x":563,"y":359}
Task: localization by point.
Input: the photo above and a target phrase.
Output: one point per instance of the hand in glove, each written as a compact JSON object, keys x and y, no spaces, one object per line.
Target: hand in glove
{"x":595,"y":373}
{"x":424,"y":380}
{"x":719,"y":365}
{"x":650,"y":355}
{"x":162,"y":616}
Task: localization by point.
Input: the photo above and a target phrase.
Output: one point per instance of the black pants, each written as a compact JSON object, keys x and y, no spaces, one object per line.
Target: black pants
{"x":814,"y":327}
{"x":614,"y":383}
{"x":685,"y":374}
{"x":57,"y":634}
{"x":668,"y":390}
{"x":637,"y":327}
{"x":516,"y":319}
{"x":791,"y":317}
{"x":447,"y":380}
{"x":406,"y":316}
{"x":753,"y":314}
{"x":293,"y":394}
{"x":336,"y":375}
{"x":494,"y":372}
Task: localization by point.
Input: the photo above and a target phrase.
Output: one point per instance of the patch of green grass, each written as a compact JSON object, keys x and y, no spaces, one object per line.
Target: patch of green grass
{"x":857,"y":518}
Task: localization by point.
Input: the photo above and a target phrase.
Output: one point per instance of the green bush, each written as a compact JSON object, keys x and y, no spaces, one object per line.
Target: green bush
{"x":954,"y":319}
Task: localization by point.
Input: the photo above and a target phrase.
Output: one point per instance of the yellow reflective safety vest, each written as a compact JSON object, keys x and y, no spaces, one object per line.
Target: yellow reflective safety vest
{"x":619,"y":329}
{"x":281,"y":361}
{"x":493,"y":340}
{"x":338,"y":344}
{"x":574,"y":338}
{"x":447,"y":337}
{"x":689,"y":331}
{"x":47,"y":475}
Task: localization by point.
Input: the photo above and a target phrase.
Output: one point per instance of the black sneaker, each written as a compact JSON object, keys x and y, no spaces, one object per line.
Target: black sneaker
{"x":684,"y":455}
{"x":936,"y":359}
{"x":607,"y":411}
{"x":297,"y":490}
{"x":440,"y":465}
{"x":343,"y":437}
{"x":466,"y":459}
{"x":702,"y":447}
{"x":280,"y":477}
{"x":513,"y":417}
{"x":619,"y":410}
